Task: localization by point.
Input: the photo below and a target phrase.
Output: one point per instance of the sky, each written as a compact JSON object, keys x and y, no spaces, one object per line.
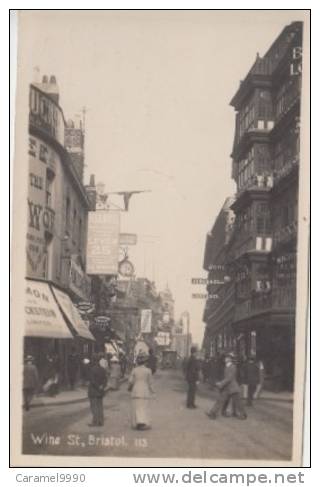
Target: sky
{"x":157,"y":87}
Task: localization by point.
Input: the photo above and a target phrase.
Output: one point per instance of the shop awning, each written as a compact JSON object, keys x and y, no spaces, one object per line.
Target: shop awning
{"x":43,"y":317}
{"x":72,"y":314}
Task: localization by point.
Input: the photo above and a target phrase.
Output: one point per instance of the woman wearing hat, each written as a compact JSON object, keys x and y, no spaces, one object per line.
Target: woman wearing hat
{"x":140,"y":385}
{"x":115,"y":373}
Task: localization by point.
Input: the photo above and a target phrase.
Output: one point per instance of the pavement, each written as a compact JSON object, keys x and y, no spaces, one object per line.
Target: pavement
{"x":79,"y":394}
{"x":177,"y":432}
{"x":69,"y":396}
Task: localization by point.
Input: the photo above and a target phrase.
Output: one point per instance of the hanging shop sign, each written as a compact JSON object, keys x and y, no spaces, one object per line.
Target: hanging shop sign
{"x":103,"y":242}
{"x":128,"y":239}
{"x":163,"y":338}
{"x":146,"y":321}
{"x":102,"y":322}
{"x":79,"y":282}
{"x":85,"y":307}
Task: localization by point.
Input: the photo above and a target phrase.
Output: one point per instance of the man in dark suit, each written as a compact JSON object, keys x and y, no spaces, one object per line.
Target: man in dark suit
{"x":229,"y":390}
{"x":96,"y":391}
{"x":152,"y":361}
{"x":192,"y":377}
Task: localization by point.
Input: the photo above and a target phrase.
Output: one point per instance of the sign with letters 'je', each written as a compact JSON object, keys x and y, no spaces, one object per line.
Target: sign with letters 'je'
{"x":103,"y":242}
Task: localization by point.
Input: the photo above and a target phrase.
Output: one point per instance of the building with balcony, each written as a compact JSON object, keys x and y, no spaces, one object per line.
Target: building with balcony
{"x":219,"y":308}
{"x":261,"y":252}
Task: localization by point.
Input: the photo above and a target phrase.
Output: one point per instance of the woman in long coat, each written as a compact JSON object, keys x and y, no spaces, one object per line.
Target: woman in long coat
{"x":140,"y":385}
{"x":115,"y":374}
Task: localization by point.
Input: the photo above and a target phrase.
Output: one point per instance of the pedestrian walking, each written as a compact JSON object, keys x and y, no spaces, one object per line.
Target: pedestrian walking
{"x":73,"y":364}
{"x":85,"y":368}
{"x":205,"y":368}
{"x":252,"y":378}
{"x":192,"y":377}
{"x":51,"y":375}
{"x":30,"y":381}
{"x":123,"y":363}
{"x":141,"y":387}
{"x":152,"y":361}
{"x":115,"y":373}
{"x":229,"y":390}
{"x":259,"y":388}
{"x":96,"y":391}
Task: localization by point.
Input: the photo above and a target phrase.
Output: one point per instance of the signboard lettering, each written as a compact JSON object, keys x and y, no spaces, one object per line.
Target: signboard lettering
{"x":146,"y":319}
{"x":103,"y":242}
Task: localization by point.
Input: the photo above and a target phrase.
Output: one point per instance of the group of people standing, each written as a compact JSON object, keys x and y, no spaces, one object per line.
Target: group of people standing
{"x":230,"y":377}
{"x":46,"y":378}
{"x":140,"y":385}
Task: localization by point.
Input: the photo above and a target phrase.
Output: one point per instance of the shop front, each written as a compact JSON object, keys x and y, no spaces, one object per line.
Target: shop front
{"x":269,"y":338}
{"x":53,"y":326}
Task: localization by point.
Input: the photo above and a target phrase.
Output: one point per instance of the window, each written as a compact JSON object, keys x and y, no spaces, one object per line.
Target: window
{"x":34,"y":100}
{"x":246,"y":119}
{"x":43,"y":153}
{"x":80,"y":235}
{"x":285,"y":216}
{"x":32,"y":147}
{"x":243,"y":283}
{"x":246,"y":169}
{"x":46,"y":257}
{"x":67,"y":215}
{"x":74,"y":225}
{"x":263,"y":224}
{"x":286,"y":96}
{"x":49,"y":187}
{"x":265,"y":105}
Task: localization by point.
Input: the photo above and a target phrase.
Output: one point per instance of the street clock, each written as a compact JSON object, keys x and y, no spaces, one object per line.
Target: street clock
{"x":126,"y":268}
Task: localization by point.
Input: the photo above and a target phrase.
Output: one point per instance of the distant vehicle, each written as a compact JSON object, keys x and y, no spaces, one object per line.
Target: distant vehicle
{"x":169,"y":359}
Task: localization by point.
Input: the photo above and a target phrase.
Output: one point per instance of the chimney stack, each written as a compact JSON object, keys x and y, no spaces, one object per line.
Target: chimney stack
{"x":92,"y":193}
{"x":48,"y":86}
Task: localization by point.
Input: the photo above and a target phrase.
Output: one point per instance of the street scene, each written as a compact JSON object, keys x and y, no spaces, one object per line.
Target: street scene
{"x":176,"y":430}
{"x":162,"y":227}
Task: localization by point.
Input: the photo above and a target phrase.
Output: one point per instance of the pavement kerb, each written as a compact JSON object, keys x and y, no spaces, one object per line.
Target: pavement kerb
{"x":81,"y":399}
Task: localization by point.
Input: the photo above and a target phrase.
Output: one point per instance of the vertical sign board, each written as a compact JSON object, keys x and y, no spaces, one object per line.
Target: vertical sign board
{"x":103,"y":242}
{"x":40,"y":213}
{"x":146,"y":318}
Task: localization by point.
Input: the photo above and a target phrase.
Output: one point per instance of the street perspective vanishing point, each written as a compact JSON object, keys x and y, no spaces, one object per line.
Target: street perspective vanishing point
{"x":160,"y":237}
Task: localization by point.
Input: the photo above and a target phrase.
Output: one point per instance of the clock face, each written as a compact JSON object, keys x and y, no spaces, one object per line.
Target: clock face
{"x":126,"y":268}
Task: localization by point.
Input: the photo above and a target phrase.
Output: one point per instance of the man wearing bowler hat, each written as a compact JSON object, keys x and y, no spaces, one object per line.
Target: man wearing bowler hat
{"x":229,"y":389}
{"x":192,"y":377}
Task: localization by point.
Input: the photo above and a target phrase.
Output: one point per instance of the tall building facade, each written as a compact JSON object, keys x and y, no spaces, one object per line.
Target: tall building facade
{"x":57,"y":201}
{"x":57,"y":206}
{"x":261,"y":253}
{"x":220,"y":305}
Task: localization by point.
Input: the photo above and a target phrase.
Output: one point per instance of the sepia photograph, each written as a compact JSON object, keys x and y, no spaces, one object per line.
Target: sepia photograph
{"x":160,"y":237}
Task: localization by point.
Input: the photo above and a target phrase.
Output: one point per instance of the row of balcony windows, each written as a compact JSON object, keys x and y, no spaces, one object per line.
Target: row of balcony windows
{"x":268,"y":243}
{"x":267,"y":180}
{"x":277,"y":298}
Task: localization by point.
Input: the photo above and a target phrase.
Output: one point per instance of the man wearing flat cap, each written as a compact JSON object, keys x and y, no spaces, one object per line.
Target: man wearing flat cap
{"x":192,"y":377}
{"x":229,"y":390}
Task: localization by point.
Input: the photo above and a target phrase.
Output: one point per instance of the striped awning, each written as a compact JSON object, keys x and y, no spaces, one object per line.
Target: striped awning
{"x":43,"y":317}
